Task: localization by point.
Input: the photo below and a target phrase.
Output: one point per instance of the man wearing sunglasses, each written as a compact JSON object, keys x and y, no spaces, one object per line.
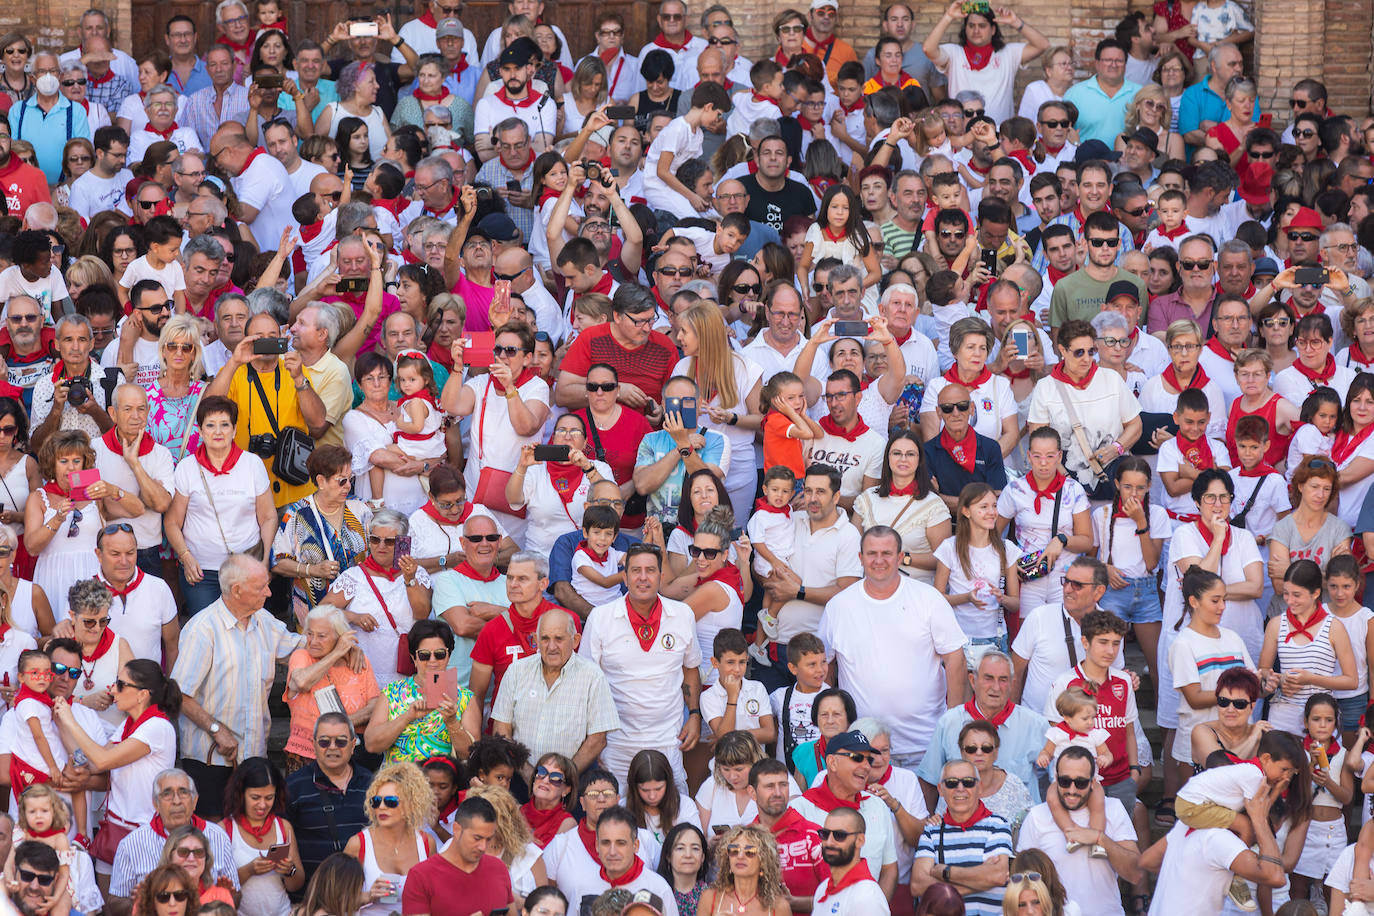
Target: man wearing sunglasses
{"x":473,"y":592}
{"x":850,"y":888}
{"x":1091,"y":882}
{"x":970,"y":847}
{"x":959,"y":455}
{"x":1081,"y":294}
{"x":29,"y":354}
{"x":325,"y":799}
{"x":1308,"y":96}
{"x":419,"y":33}
{"x":35,"y":870}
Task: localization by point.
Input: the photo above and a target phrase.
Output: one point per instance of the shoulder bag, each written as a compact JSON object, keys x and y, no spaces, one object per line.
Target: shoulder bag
{"x":294,"y":445}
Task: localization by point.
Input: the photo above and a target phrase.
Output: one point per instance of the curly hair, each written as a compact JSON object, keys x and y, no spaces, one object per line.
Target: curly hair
{"x":412,"y":788}
{"x":162,"y":879}
{"x":770,"y":886}
{"x":65,"y":442}
{"x":512,"y":830}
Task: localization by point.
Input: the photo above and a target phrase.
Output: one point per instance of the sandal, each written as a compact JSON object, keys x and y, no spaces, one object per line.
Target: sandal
{"x":1138,"y":904}
{"x":1164,"y":813}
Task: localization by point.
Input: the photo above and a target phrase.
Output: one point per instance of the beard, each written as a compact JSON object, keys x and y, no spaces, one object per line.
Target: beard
{"x":840,"y":856}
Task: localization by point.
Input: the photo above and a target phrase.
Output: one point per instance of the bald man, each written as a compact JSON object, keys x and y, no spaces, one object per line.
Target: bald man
{"x":263,"y":187}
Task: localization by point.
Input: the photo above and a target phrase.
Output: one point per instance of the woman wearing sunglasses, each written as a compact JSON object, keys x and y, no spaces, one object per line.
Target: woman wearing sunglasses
{"x":1004,"y":794}
{"x":748,"y":875}
{"x":551,"y":794}
{"x":1150,"y":108}
{"x":739,"y":290}
{"x":1235,"y":730}
{"x":188,"y":849}
{"x":716,"y":582}
{"x":167,"y":891}
{"x":398,"y":803}
{"x":615,"y":434}
{"x":254,"y":801}
{"x":403,"y":726}
{"x":323,"y":533}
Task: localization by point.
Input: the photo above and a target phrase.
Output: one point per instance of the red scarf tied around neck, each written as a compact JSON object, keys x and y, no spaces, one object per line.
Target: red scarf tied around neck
{"x":1199,"y":379}
{"x":964,"y":451}
{"x":1081,"y":384}
{"x":645,"y":628}
{"x":544,"y":824}
{"x":997,"y":721}
{"x":979,"y":57}
{"x":1049,"y":492}
{"x":832,"y":428}
{"x":1309,"y":629}
{"x":1196,"y":452}
{"x":1318,"y":377}
{"x":1207,"y":536}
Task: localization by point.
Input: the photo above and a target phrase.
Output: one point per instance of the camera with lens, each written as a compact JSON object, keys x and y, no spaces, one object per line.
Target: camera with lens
{"x":264,"y":445}
{"x":78,"y":391}
{"x":592,"y":168}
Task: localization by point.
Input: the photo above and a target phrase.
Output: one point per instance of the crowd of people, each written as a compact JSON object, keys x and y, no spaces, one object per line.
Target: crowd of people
{"x":665,"y":483}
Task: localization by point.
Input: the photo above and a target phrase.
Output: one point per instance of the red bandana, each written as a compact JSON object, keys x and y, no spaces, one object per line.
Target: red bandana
{"x":123,"y":594}
{"x":832,"y":428}
{"x":633,"y":874}
{"x":663,"y":42}
{"x":1259,"y":470}
{"x":1081,"y":385}
{"x":587,"y":549}
{"x":1196,"y":451}
{"x":1198,"y":380}
{"x":203,"y":458}
{"x":1309,"y":629}
{"x":965,"y":451}
{"x":100,"y":80}
{"x":1318,"y":377}
{"x":427,"y":19}
{"x":1216,"y":347}
{"x":978,"y":58}
{"x":978,"y":814}
{"x":465,"y":570}
{"x":1207,"y":537}
{"x":822,"y":797}
{"x":1357,"y":356}
{"x":727,"y":575}
{"x":543,"y":824}
{"x":370,"y":565}
{"x":646,"y":628}
{"x":160,"y":829}
{"x":436,"y":98}
{"x":856,"y":874}
{"x":566,"y":478}
{"x":1050,"y":490}
{"x":131,"y":725}
{"x":1055,"y":274}
{"x":145,"y":444}
{"x":525,"y":375}
{"x":1024,"y":157}
{"x":762,"y":505}
{"x":762,"y":99}
{"x":164,"y":134}
{"x":107,"y":641}
{"x":979,"y":380}
{"x":440,"y":519}
{"x":529,"y":99}
{"x":1346,"y":444}
{"x":780,"y":58}
{"x":588,"y":837}
{"x":27,"y":694}
{"x":833,"y":236}
{"x":459,"y":67}
{"x":1172,"y":234}
{"x":1331,"y":749}
{"x":257,"y":833}
{"x":453,"y":202}
{"x":246,"y":48}
{"x":997,"y":721}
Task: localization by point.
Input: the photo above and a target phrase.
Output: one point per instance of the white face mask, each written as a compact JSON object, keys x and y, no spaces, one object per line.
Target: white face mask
{"x":47,"y":84}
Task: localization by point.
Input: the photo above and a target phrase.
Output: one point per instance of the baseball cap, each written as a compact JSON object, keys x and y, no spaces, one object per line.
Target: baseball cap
{"x":498,"y":227}
{"x":449,"y":28}
{"x":1095,"y":149}
{"x":642,"y":903}
{"x":1123,"y":288}
{"x":1265,"y":267}
{"x":848,"y":741}
{"x":519,"y":52}
{"x":822,"y":4}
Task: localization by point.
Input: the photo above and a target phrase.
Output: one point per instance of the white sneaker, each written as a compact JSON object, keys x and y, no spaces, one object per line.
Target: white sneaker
{"x":757,"y":654}
{"x":769,"y":624}
{"x":1355,"y":908}
{"x":1240,"y":895}
{"x":1071,"y":846}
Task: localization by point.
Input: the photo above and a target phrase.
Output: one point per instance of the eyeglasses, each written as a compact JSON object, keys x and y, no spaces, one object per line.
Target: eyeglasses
{"x":603,"y":387}
{"x":1256,"y":154}
{"x":640,"y":323}
{"x":552,"y":776}
{"x":749,"y":852}
{"x":1276,"y":323}
{"x":1104,"y":243}
{"x":954,"y":782}
{"x":1184,"y":347}
{"x":791,"y":29}
{"x":1082,"y":352}
{"x":234,"y":21}
{"x":670,"y":17}
{"x":70,"y":672}
{"x":743,"y":288}
{"x":120,"y":685}
{"x":709,"y":553}
{"x":482,"y":538}
{"x":1306,"y":133}
{"x":951,"y":234}
{"x":600,"y":794}
{"x":1343,"y":247}
{"x":30,"y":877}
{"x":23,"y":319}
{"x":568,"y":432}
{"x":76,"y":82}
{"x":391,"y":801}
{"x":339,"y":741}
{"x":1025,"y":876}
{"x":1115,"y":343}
{"x":1078,"y":782}
{"x":610,"y":33}
{"x":1301,"y":237}
{"x":715,"y":42}
{"x":1216,"y":499}
{"x":1237,"y":702}
{"x":979,"y":748}
{"x":507,"y":351}
{"x":1074,"y":583}
{"x":839,"y":836}
{"x":189,"y":852}
{"x":1056,"y":124}
{"x":835,"y":396}
{"x":955,"y":407}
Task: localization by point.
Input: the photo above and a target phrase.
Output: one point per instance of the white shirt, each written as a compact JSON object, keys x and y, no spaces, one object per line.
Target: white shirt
{"x":684,"y":60}
{"x":1270,"y":497}
{"x":864,"y":898}
{"x":1353,"y":494}
{"x":1103,"y":408}
{"x":113,"y":468}
{"x":769,"y":359}
{"x":1242,"y":615}
{"x":421,"y":37}
{"x":831,"y":552}
{"x":994,"y":81}
{"x":985,"y":572}
{"x":1170,"y":460}
{"x":1033,"y":532}
{"x":141,"y":625}
{"x":129,"y":797}
{"x":879,"y":845}
{"x":1125,"y":551}
{"x":265,"y":186}
{"x":1091,"y":883}
{"x":46,"y":290}
{"x":575,"y":872}
{"x":146,"y":357}
{"x":1150,"y":355}
{"x":430,"y":539}
{"x":1196,"y":871}
{"x":90,"y":194}
{"x":184,"y":137}
{"x":494,"y":108}
{"x":301,"y":178}
{"x":679,"y":142}
{"x":854,"y":460}
{"x":750,"y":706}
{"x":646,"y":686}
{"x":747,"y":110}
{"x":235,"y":507}
{"x":921,"y":360}
{"x":170,"y":275}
{"x":548,"y":517}
{"x":889,"y":654}
{"x":495,"y":443}
{"x":1295,"y":386}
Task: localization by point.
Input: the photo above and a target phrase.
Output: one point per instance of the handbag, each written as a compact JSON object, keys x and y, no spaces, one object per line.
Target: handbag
{"x":293,"y":444}
{"x":108,"y":835}
{"x":1239,"y":520}
{"x":257,"y":551}
{"x":1033,"y":565}
{"x":491,"y":482}
{"x":405,"y":662}
{"x":1099,"y":473}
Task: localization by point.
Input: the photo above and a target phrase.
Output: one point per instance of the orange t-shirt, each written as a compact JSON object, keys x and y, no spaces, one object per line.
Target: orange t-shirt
{"x":778,"y":448}
{"x":355,"y":690}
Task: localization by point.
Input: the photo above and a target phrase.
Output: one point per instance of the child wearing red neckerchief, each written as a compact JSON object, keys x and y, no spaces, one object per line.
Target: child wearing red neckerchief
{"x":1189,"y":453}
{"x":270,"y":15}
{"x":43,"y":818}
{"x":773,"y":534}
{"x":34,"y":759}
{"x":597,"y":573}
{"x":417,"y":431}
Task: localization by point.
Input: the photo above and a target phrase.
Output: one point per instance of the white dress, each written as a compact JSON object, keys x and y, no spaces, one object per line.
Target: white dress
{"x":372,"y":871}
{"x":432,"y":445}
{"x":21,"y":610}
{"x":263,"y":895}
{"x":363,"y":435}
{"x":68,"y":558}
{"x":379,"y":645}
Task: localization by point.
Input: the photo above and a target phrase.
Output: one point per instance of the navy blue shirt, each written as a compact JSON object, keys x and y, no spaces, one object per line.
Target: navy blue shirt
{"x":950,"y":476}
{"x":324,"y":818}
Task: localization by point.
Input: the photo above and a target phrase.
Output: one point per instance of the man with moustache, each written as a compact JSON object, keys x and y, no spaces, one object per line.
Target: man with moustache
{"x":850,"y":890}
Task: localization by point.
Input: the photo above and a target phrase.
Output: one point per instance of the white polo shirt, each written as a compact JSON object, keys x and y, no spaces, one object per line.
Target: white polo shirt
{"x":140,"y":615}
{"x":769,"y":359}
{"x":863,"y":898}
{"x":496,"y":107}
{"x":646,"y":686}
{"x":880,"y":847}
{"x":921,"y":360}
{"x":160,"y":466}
{"x":264,"y":185}
{"x":573,"y":870}
{"x":855,"y":460}
{"x":235,"y":507}
{"x":831,"y":552}
{"x":1091,"y":883}
{"x":1196,"y":871}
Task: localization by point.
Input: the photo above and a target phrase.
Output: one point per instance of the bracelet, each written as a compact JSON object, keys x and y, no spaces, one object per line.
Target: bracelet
{"x":1145,"y":530}
{"x":1274,"y":859}
{"x":1120,"y":449}
{"x":731,"y":704}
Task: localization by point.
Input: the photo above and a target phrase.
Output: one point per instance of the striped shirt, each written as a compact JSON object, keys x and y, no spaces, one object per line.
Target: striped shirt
{"x":228,"y":669}
{"x":140,"y":851}
{"x":947,"y":845}
{"x":559,"y":717}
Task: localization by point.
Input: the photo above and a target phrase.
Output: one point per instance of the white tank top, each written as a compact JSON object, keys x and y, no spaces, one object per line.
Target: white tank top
{"x":372,"y":871}
{"x":263,"y":895}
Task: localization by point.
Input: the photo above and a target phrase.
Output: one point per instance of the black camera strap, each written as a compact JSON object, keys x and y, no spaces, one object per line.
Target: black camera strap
{"x":262,"y":393}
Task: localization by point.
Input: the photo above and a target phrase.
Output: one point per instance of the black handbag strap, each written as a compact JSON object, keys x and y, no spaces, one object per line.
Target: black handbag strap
{"x":262,"y":393}
{"x":1239,"y":520}
{"x":789,"y":741}
{"x":596,"y":437}
{"x":1068,"y":637}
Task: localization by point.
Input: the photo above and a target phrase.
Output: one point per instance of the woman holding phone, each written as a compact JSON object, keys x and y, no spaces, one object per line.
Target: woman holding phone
{"x":263,"y":842}
{"x":404,"y":725}
{"x":552,"y":482}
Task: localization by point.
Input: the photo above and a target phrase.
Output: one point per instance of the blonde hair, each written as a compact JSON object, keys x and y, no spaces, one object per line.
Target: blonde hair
{"x":1154,"y":93}
{"x":1183,"y":327}
{"x":1011,"y":899}
{"x":89,"y":270}
{"x":182,"y":328}
{"x":713,"y":366}
{"x":512,"y":830}
{"x":412,"y":788}
{"x":1073,"y":701}
{"x":770,"y":886}
{"x":61,"y":814}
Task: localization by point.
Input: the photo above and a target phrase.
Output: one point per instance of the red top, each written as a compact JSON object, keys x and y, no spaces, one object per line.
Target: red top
{"x":1112,"y":699}
{"x":648,"y":367}
{"x":1278,"y":444}
{"x":438,"y":887}
{"x":498,"y":646}
{"x":799,"y":848}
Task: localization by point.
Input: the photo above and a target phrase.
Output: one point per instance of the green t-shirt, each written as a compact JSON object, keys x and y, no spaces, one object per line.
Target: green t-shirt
{"x":1079,"y":296}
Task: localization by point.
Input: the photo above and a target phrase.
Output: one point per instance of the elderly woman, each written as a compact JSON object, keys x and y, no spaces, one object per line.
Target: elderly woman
{"x":1004,"y":793}
{"x":1114,"y":344}
{"x":904,"y":500}
{"x":554,"y":493}
{"x":1227,"y":137}
{"x":103,"y":652}
{"x":1253,"y":370}
{"x":154,"y":69}
{"x":971,"y":342}
{"x":367,"y":435}
{"x":173,"y":397}
{"x":357,"y":86}
{"x":401,"y":806}
{"x":1057,"y":65}
{"x":15,"y":81}
{"x":1150,"y":108}
{"x":1095,"y":413}
{"x":748,"y":873}
{"x":76,"y":512}
{"x":322,"y":534}
{"x":382,"y":593}
{"x":330,"y":658}
{"x":1234,"y":731}
{"x":430,"y":90}
{"x":222,"y":505}
{"x":160,"y":104}
{"x":403,"y":726}
{"x":789,"y":27}
{"x":831,"y":712}
{"x":1159,"y":395}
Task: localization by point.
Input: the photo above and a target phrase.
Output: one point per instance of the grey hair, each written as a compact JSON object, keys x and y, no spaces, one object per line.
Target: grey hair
{"x":884,"y":107}
{"x":96,"y":11}
{"x":414,"y":322}
{"x":1325,"y":236}
{"x":510,"y":124}
{"x":1236,"y":246}
{"x":554,"y":614}
{"x":994,"y":654}
{"x":167,"y":774}
{"x":334,"y":718}
{"x":228,"y":5}
{"x":350,"y":216}
{"x":73,"y":318}
{"x":894,"y":289}
{"x":349,"y":78}
{"x":131,"y":388}
{"x":89,"y":595}
{"x":843,"y":273}
{"x":38,"y":54}
{"x":272,"y":301}
{"x":870,"y":727}
{"x":1240,"y":85}
{"x":541,"y":562}
{"x":389,"y":518}
{"x":159,"y":89}
{"x":327,"y":319}
{"x":438,"y":231}
{"x":442,"y":112}
{"x":218,"y":212}
{"x":960,"y":761}
{"x":328,"y":613}
{"x":236,"y":570}
{"x":437,"y":166}
{"x":8,"y":537}
{"x":1103,"y":322}
{"x":970,"y":95}
{"x":764,"y":128}
{"x":232,"y":297}
{"x":206,"y":245}
{"x":74,"y":66}
{"x":1214,"y":55}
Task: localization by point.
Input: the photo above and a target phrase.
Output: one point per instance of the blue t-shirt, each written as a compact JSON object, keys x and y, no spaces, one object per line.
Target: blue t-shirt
{"x":663,"y":502}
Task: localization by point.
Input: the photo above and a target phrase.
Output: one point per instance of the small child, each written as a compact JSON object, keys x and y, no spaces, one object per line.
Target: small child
{"x":947,"y":193}
{"x":270,"y":15}
{"x":733,"y":702}
{"x":442,"y":774}
{"x":766,"y":78}
{"x":597,"y":575}
{"x":163,"y":235}
{"x":773,"y":534}
{"x":1187,"y":454}
{"x":792,"y":705}
{"x":947,"y":306}
{"x":1077,"y":729}
{"x":419,"y":423}
{"x":43,"y":817}
{"x":1316,"y":433}
{"x":679,"y":140}
{"x":38,"y":751}
{"x":1219,"y":22}
{"x":785,"y":423}
{"x":716,"y":248}
{"x":847,"y":122}
{"x":1173,"y":222}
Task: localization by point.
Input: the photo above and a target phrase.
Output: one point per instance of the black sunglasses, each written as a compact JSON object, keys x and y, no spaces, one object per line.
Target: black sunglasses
{"x":29,"y":877}
{"x":552,"y":776}
{"x":979,"y":748}
{"x":972,"y":112}
{"x":425,"y":655}
{"x":954,"y":782}
{"x":338,"y":741}
{"x":603,"y":387}
{"x":1302,"y":236}
{"x":960,"y":406}
{"x":1078,"y":782}
{"x":168,"y":896}
{"x":70,"y":83}
{"x":1101,"y":243}
{"x":839,"y":836}
{"x":479,"y":538}
{"x":709,"y":553}
{"x":1055,"y":123}
{"x":506,"y":351}
{"x":1237,"y":702}
{"x":742,"y":288}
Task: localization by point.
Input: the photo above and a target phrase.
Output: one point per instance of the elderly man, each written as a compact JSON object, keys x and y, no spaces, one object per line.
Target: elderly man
{"x":231,"y":321}
{"x":264,"y":190}
{"x":960,"y":455}
{"x":127,"y":457}
{"x":48,"y":119}
{"x":1195,"y":299}
{"x":28,"y":354}
{"x":105,"y":87}
{"x":916,"y":671}
{"x":435,"y":194}
{"x":471,"y":593}
{"x":143,"y":607}
{"x":325,"y":798}
{"x":95,"y":29}
{"x":1021,"y":729}
{"x":23,"y":185}
{"x":776,"y":349}
{"x":642,"y":641}
{"x":355,"y":261}
{"x":174,"y":796}
{"x":510,"y":636}
{"x":557,"y":701}
{"x":902,"y":233}
{"x":970,"y":838}
{"x":224,"y":100}
{"x":1340,"y":253}
{"x":225,"y":667}
{"x":510,"y":161}
{"x":313,"y":336}
{"x":203,"y":256}
{"x":1203,"y":104}
{"x":73,"y":396}
{"x":1091,"y":882}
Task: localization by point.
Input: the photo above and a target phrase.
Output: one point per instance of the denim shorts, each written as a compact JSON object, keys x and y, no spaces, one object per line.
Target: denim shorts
{"x":1352,"y":708}
{"x":978,"y":646}
{"x":1138,"y":602}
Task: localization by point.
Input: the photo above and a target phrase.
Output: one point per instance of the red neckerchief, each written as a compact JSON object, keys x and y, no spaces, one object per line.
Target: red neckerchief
{"x":465,"y":570}
{"x":978,"y":814}
{"x":761,"y":98}
{"x":663,"y":42}
{"x":107,"y":641}
{"x":203,"y":459}
{"x":1346,"y":444}
{"x":100,"y":80}
{"x":953,"y":377}
{"x":633,"y":874}
{"x":997,"y":721}
{"x":436,"y":353}
{"x":27,"y":694}
{"x":422,"y":96}
{"x":440,"y":519}
{"x":856,"y":874}
{"x":822,"y":797}
{"x":566,"y":478}
{"x":978,"y":58}
{"x":832,"y":428}
{"x":1219,"y":349}
{"x":59,"y":372}
{"x":459,"y":67}
{"x":1068,"y":729}
{"x":788,"y":818}
{"x":977,"y":169}
{"x":245,"y":48}
{"x":370,"y":565}
{"x":1309,"y":629}
{"x":901,"y":339}
{"x":525,"y":375}
{"x":850,"y":109}
{"x":1199,"y":379}
{"x":1259,"y":470}
{"x":645,"y":628}
{"x":828,"y":44}
{"x":427,"y":19}
{"x":452,"y":204}
{"x":1207,"y":537}
{"x":543,"y":824}
{"x":423,"y":394}
{"x":1357,"y":355}
{"x":145,"y":443}
{"x":727,"y":575}
{"x":1055,"y":274}
{"x":908,"y":490}
{"x":1172,"y":234}
{"x":780,"y":58}
{"x":1317,"y":309}
{"x":548,"y":194}
{"x":161,"y":830}
{"x":1061,"y":375}
{"x":257,"y":833}
{"x":124,"y":593}
{"x":587,"y":549}
{"x":522,"y":627}
{"x":805,"y":123}
{"x":529,"y":99}
{"x":55,"y":489}
{"x":1317,"y":377}
{"x":1331,"y":749}
{"x":603,"y":285}
{"x":964,"y":451}
{"x":131,"y":725}
{"x":1196,"y":451}
{"x":1050,"y":491}
{"x":833,"y":236}
{"x":762,"y":505}
{"x":1024,"y":157}
{"x":588,"y":837}
{"x":164,"y":134}
{"x":44,"y":834}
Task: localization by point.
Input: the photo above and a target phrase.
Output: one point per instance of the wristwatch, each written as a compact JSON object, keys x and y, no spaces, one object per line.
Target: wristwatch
{"x":685,"y":450}
{"x":1062,"y":538}
{"x":801,"y":593}
{"x":443,"y":561}
{"x":215,"y":728}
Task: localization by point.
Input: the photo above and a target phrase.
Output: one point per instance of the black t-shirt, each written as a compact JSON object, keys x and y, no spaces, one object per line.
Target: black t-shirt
{"x":388,"y":83}
{"x":773,"y":207}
